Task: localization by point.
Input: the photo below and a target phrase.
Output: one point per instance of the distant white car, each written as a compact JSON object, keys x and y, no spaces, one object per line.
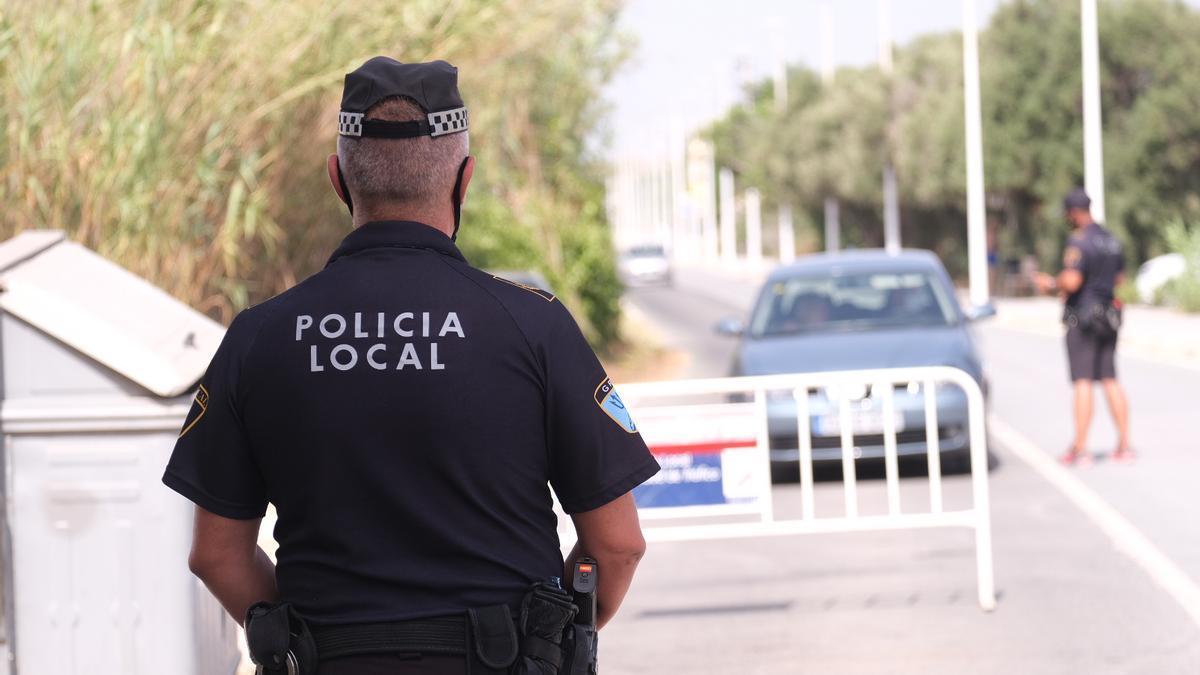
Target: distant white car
{"x":1156,"y":272}
{"x":645,"y":265}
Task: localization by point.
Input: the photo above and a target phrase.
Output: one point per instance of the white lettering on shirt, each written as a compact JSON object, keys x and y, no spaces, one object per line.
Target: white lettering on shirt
{"x":303,"y":322}
{"x":451,"y":325}
{"x":377,"y":365}
{"x":396,"y":325}
{"x":408,"y":357}
{"x":344,"y":349}
{"x":341,"y":326}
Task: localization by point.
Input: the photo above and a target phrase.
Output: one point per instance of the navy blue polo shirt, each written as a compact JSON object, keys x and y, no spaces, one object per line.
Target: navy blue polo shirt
{"x":1094,"y":252}
{"x":406,"y":414}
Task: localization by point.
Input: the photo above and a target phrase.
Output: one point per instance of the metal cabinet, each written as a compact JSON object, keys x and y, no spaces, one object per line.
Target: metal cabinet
{"x":96,"y":371}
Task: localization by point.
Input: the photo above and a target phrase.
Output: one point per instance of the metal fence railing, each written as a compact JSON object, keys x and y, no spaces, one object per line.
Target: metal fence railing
{"x":713,"y":438}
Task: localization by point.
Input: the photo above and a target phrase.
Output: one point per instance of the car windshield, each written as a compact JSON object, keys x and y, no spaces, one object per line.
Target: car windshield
{"x":852,"y":302}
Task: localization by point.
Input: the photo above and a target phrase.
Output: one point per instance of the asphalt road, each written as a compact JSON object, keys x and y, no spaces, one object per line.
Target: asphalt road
{"x":1076,"y":593}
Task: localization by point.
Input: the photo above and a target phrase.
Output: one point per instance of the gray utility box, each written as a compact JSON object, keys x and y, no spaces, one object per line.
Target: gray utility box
{"x":96,"y":371}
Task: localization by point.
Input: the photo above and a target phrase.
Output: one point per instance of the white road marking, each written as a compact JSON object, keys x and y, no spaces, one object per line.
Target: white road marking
{"x":1124,"y":535}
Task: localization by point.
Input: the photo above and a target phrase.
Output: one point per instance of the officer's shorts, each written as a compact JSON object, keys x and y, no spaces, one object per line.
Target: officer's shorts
{"x":1091,"y":358}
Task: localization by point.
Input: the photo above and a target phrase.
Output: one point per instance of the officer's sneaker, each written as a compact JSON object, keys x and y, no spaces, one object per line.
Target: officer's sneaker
{"x":1123,"y":456}
{"x":1079,"y":458}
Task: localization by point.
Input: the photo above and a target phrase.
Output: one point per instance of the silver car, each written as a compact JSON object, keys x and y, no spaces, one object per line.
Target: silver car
{"x":852,"y":311}
{"x":645,"y":265}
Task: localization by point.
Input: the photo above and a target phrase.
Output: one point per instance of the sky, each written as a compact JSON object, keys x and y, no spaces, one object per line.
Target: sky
{"x":693,"y":55}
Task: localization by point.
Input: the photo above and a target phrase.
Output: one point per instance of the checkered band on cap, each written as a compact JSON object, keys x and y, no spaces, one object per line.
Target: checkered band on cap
{"x":350,"y":124}
{"x":447,"y":122}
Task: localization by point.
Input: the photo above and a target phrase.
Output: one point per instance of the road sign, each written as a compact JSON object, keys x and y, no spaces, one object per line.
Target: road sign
{"x":710,"y":459}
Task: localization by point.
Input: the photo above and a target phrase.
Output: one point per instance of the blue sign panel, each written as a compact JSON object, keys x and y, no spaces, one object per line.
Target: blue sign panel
{"x":686,"y":479}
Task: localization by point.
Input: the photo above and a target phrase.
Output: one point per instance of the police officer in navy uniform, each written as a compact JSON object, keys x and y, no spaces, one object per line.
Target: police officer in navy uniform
{"x":407,"y":415}
{"x":1093,"y":267}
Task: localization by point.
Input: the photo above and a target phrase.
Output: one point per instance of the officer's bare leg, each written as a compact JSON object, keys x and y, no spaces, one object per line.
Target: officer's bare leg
{"x":1118,"y":405}
{"x":1083,"y":414}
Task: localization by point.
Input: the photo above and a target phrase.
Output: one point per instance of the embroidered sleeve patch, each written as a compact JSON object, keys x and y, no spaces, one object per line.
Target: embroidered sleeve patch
{"x":1072,"y":257}
{"x":613,"y":406}
{"x":199,"y":407}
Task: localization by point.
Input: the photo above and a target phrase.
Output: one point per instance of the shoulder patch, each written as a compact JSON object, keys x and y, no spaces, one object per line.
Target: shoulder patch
{"x":613,"y":406}
{"x":545,"y":295}
{"x":1072,"y":256}
{"x":199,"y":407}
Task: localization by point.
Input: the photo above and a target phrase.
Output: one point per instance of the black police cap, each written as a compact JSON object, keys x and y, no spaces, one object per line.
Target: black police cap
{"x":433,"y":85}
{"x":1077,"y":199}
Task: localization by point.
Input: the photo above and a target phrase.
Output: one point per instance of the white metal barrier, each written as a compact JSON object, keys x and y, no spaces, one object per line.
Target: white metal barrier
{"x":641,"y":399}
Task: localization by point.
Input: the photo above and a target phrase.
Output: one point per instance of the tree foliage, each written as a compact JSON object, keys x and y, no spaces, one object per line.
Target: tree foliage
{"x":186,"y":139}
{"x":834,"y":138}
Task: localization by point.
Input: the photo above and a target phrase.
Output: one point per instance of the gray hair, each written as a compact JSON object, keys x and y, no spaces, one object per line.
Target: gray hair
{"x":419,"y":170}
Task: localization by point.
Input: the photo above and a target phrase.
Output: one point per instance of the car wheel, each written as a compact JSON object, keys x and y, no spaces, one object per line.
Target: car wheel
{"x":784,"y":473}
{"x":956,"y":462}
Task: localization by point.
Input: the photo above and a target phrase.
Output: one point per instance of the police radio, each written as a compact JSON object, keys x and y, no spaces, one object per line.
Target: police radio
{"x":583,"y":589}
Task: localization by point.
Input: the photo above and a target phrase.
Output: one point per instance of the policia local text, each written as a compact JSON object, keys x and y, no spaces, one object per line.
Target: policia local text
{"x":376,"y":325}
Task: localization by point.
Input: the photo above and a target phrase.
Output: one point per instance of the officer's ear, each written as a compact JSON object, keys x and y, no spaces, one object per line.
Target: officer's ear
{"x":335,"y":178}
{"x":468,"y":171}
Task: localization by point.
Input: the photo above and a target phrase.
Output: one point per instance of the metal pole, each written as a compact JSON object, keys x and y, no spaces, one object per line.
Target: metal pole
{"x":976,"y":210}
{"x":702,"y":186}
{"x":781,"y":83}
{"x":646,"y":179}
{"x":832,"y":221}
{"x":728,"y":222}
{"x":827,"y":66}
{"x":637,"y":215}
{"x":833,"y":225}
{"x":787,"y":235}
{"x":711,"y":238}
{"x":891,"y":197}
{"x":885,"y":36}
{"x":1093,"y":150}
{"x":754,"y":227}
{"x":682,"y":235}
{"x":891,"y":210}
{"x":662,"y":180}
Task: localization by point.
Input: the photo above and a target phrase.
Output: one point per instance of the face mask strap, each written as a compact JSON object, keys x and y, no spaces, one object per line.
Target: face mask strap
{"x":456,"y":198}
{"x":345,"y":190}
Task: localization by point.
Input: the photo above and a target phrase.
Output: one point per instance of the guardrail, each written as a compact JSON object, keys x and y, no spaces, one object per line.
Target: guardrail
{"x":741,"y":431}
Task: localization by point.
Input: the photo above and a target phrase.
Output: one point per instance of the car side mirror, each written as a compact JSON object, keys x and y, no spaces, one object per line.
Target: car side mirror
{"x":981,"y":312}
{"x":730,"y":327}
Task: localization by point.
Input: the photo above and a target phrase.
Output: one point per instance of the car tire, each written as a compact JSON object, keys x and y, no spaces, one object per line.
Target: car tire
{"x":784,"y":473}
{"x":956,"y":462}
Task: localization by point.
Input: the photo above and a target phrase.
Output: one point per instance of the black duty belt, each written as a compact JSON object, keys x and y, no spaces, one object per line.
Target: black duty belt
{"x":445,"y":635}
{"x":282,"y":643}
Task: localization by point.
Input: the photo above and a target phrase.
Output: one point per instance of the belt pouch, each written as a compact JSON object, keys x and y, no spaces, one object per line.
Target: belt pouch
{"x":546,"y":612}
{"x":279,"y":640}
{"x":493,"y":639}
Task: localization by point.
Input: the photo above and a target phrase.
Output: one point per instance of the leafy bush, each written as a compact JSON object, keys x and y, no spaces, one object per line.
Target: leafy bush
{"x":186,"y":140}
{"x":835,"y":137}
{"x":1184,"y":291}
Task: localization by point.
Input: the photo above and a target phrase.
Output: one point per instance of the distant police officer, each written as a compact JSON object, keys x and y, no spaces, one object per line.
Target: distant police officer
{"x":407,"y":414}
{"x":1093,"y":266}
